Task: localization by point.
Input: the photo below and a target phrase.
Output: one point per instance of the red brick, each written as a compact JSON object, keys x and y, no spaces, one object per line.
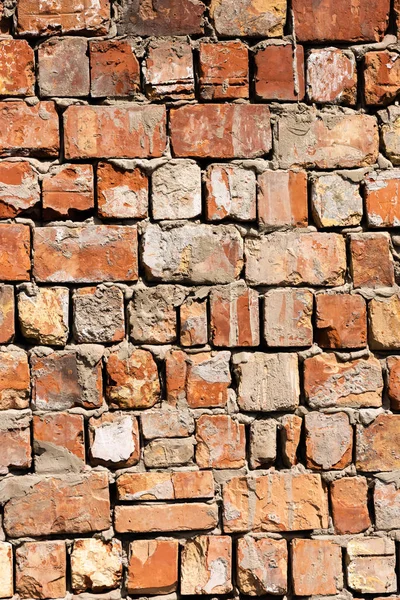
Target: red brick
{"x":7,"y":309}
{"x":290,"y":438}
{"x":378,"y":444}
{"x":341,"y":321}
{"x":168,"y":70}
{"x":114,"y":69}
{"x":152,"y":567}
{"x":371,"y":260}
{"x":177,"y":485}
{"x":275,"y":77}
{"x":68,"y":191}
{"x":393,"y":364}
{"x":310,"y":138}
{"x":382,"y":198}
{"x":15,"y":260}
{"x":193,"y":322}
{"x":223,"y":70}
{"x":230,"y":193}
{"x":41,"y":506}
{"x":29,"y":130}
{"x":282,"y":199}
{"x":121,"y":194}
{"x":262,"y":565}
{"x":85,"y":254}
{"x":36,"y":18}
{"x":64,"y":67}
{"x":316,"y":567}
{"x":234,"y":317}
{"x":133,"y":131}
{"x":19,"y":188}
{"x":221,"y":131}
{"x":14,"y":379}
{"x":67,"y":378}
{"x":132,"y":379}
{"x":201,"y":557}
{"x":329,"y":441}
{"x":152,"y":518}
{"x":166,"y":17}
{"x":221,"y":442}
{"x":381,"y":77}
{"x":332,"y":76}
{"x":340,"y":20}
{"x":287,"y":318}
{"x":61,"y":429}
{"x":114,"y":440}
{"x":15,"y":441}
{"x":41,"y":569}
{"x":349,"y":498}
{"x":17,"y":68}
{"x":248,"y":17}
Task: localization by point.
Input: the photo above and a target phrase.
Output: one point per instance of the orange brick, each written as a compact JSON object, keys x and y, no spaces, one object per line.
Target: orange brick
{"x":371,"y":260}
{"x":393,"y":363}
{"x":195,"y":516}
{"x":275,"y":77}
{"x":382,"y":198}
{"x":221,"y":442}
{"x":121,"y":194}
{"x":234,"y":316}
{"x":7,"y":309}
{"x":200,"y":556}
{"x":114,"y":69}
{"x":61,"y":429}
{"x":29,"y":130}
{"x":14,"y":379}
{"x":316,"y":567}
{"x":282,"y":199}
{"x":19,"y":188}
{"x":223,"y":70}
{"x":341,"y":321}
{"x":381,"y":77}
{"x":68,"y":191}
{"x":349,"y":498}
{"x":17,"y":68}
{"x":152,"y":567}
{"x":15,"y":441}
{"x":176,"y":485}
{"x":41,"y":569}
{"x":168,"y":70}
{"x":63,"y":67}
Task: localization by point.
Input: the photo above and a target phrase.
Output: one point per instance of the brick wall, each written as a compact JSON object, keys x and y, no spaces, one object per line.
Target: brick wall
{"x":199,"y":302}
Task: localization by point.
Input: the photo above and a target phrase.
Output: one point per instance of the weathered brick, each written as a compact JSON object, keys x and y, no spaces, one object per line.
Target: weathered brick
{"x":193,"y":322}
{"x":176,"y":485}
{"x":390,"y":139}
{"x":341,"y":21}
{"x":7,"y":309}
{"x":371,"y":260}
{"x":67,"y":378}
{"x":166,"y":424}
{"x":161,"y":300}
{"x":384,"y":321}
{"x":282,"y":199}
{"x":220,"y":130}
{"x":234,"y":316}
{"x":168,"y":70}
{"x":192,"y":253}
{"x":39,"y":506}
{"x":195,"y":516}
{"x":335,"y":201}
{"x":176,"y":190}
{"x":153,"y":566}
{"x":341,"y":321}
{"x":68,"y":16}
{"x":221,"y":442}
{"x":290,"y":438}
{"x":68,"y":191}
{"x":382,"y":199}
{"x":164,"y":453}
{"x":63,"y":67}
{"x":249,"y":17}
{"x":202,"y":558}
{"x":114,"y":440}
{"x":329,"y":440}
{"x":330,"y":382}
{"x":326,"y":139}
{"x":295,"y":259}
{"x":371,"y":565}
{"x":114,"y":69}
{"x":386,"y":505}
{"x":332,"y":76}
{"x":17,"y":68}
{"x":29,"y":130}
{"x":393,"y":390}
{"x":132,"y":131}
{"x":378,"y":444}
{"x":349,"y":498}
{"x":19,"y":188}
{"x":6,"y":570}
{"x":316,"y":567}
{"x":263,"y":435}
{"x":279,"y":72}
{"x":96,"y":565}
{"x":262,"y":566}
{"x":15,"y":440}
{"x":223,"y":70}
{"x":60,"y":435}
{"x":267,"y":382}
{"x":381,"y":77}
{"x":40,"y":569}
{"x":14,"y":379}
{"x":170,"y":17}
{"x":98,"y":315}
{"x":265,"y":503}
{"x":230,"y":193}
{"x":85,"y":254}
{"x":15,"y":261}
{"x":43,"y":314}
{"x":131,"y":379}
{"x":121,"y":194}
{"x":287,"y":318}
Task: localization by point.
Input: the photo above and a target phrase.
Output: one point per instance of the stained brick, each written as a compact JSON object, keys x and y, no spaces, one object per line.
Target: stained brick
{"x":17,"y":68}
{"x":121,"y":194}
{"x":15,"y":261}
{"x":19,"y":188}
{"x":282,"y":199}
{"x":7,"y":308}
{"x":223,"y":70}
{"x":249,"y":17}
{"x":171,"y":17}
{"x":312,"y":557}
{"x":64,"y":67}
{"x":332,"y":76}
{"x":280,"y":72}
{"x":29,"y":130}
{"x":168,"y":71}
{"x":153,"y":566}
{"x":114,"y":69}
{"x":68,"y":191}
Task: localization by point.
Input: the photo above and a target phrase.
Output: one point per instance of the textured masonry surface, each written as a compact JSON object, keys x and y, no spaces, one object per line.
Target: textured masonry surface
{"x":199,"y":301}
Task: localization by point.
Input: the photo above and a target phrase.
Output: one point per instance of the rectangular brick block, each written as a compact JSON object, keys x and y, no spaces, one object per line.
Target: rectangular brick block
{"x":41,"y":566}
{"x":349,"y":498}
{"x":29,"y":130}
{"x":14,"y":379}
{"x":121,"y":193}
{"x":15,"y":259}
{"x":19,"y":188}
{"x":63,"y":67}
{"x":167,"y":17}
{"x":287,"y":318}
{"x":17,"y":65}
{"x":223,"y":70}
{"x":248,"y":17}
{"x":341,"y":321}
{"x":168,"y":70}
{"x":377,"y":444}
{"x":230,"y":193}
{"x":15,"y":441}
{"x":280,"y":72}
{"x":166,"y":424}
{"x":87,"y":254}
{"x":68,"y":191}
{"x":114,"y":131}
{"x":7,"y":309}
{"x":221,"y":442}
{"x":371,"y":565}
{"x":221,"y":131}
{"x":234,"y":316}
{"x":382,"y":198}
{"x":332,"y":76}
{"x":195,"y":516}
{"x":371,"y":260}
{"x":114,"y":69}
{"x":381,"y":77}
{"x":317,"y":567}
{"x":200,"y":555}
{"x":282,"y":199}
{"x":329,"y":441}
{"x":153,"y":566}
{"x":6,"y":570}
{"x":390,"y":139}
{"x":176,"y":485}
{"x":384,"y":321}
{"x":262,"y":565}
{"x":96,"y":565}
